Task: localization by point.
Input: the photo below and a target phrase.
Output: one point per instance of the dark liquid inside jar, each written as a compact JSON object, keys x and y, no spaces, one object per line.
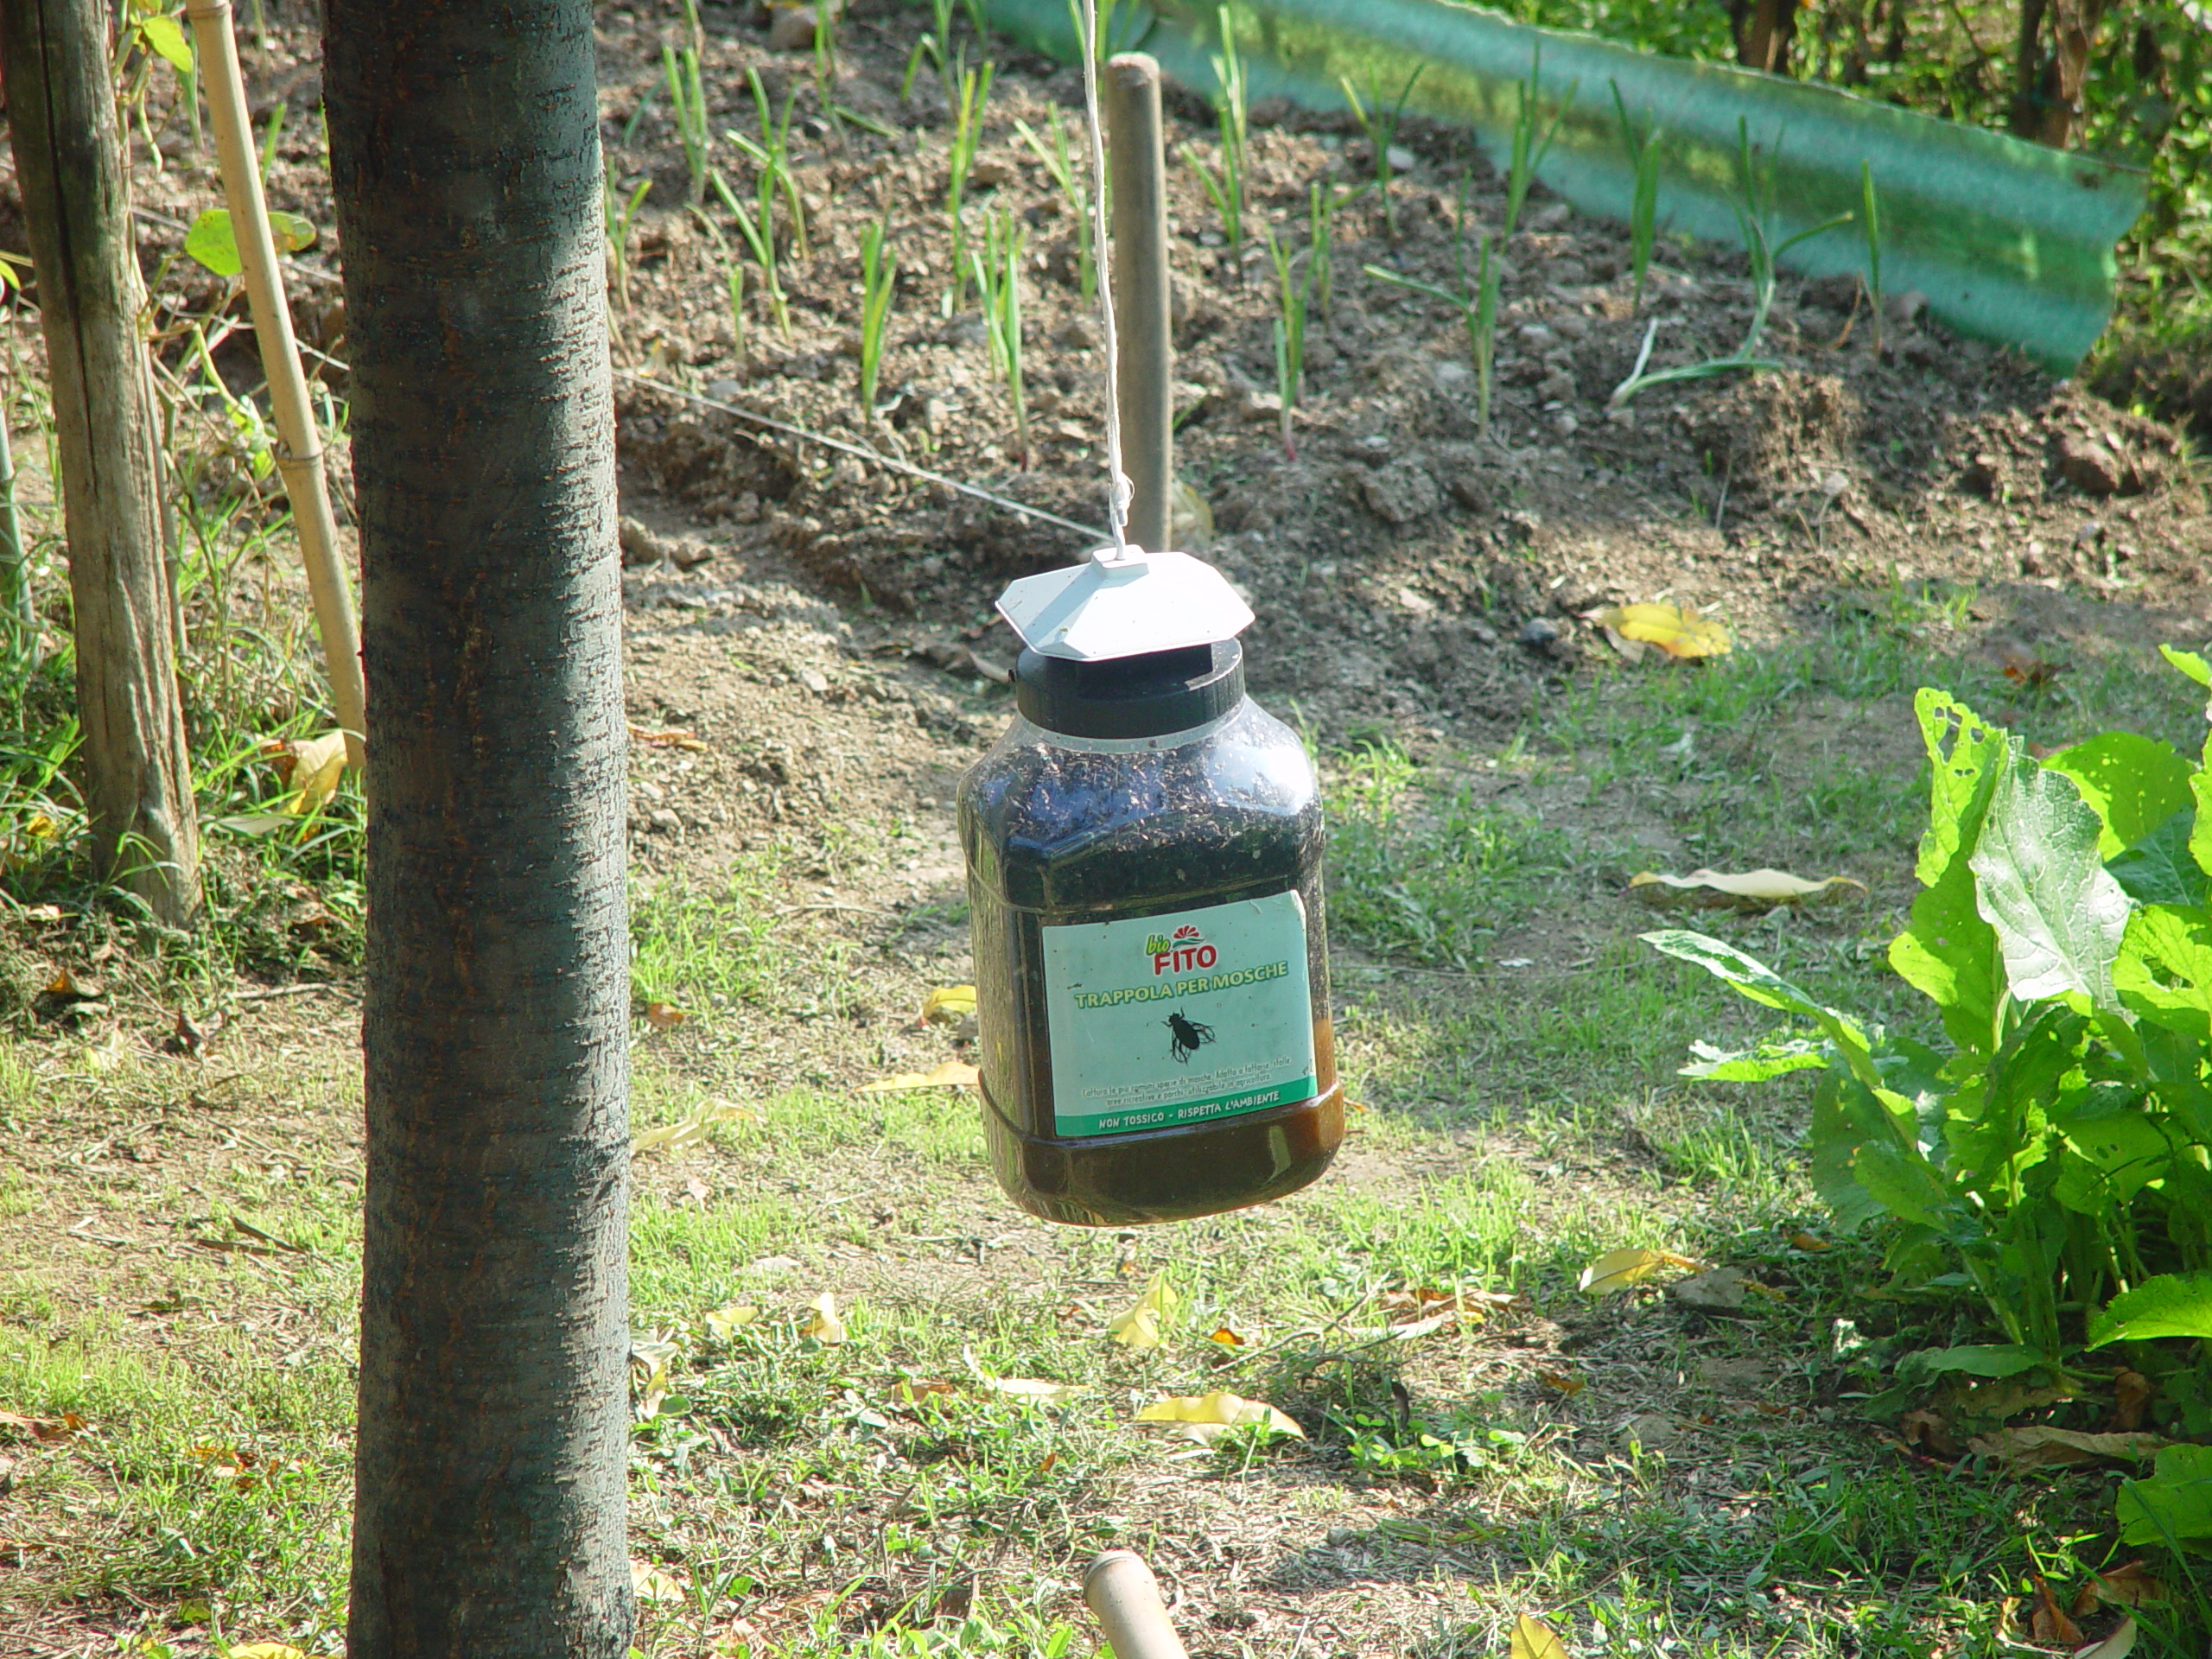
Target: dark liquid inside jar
{"x":1074,"y":838}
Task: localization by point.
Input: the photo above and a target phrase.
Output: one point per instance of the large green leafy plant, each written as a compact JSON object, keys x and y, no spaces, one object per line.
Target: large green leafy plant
{"x":2055,"y":1161}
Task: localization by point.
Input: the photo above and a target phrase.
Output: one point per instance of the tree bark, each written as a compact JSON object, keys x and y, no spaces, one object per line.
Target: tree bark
{"x":494,"y":1423}
{"x":146,"y":832}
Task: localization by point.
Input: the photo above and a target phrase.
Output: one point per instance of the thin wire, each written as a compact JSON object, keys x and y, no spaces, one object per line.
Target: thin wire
{"x":1119,"y":491}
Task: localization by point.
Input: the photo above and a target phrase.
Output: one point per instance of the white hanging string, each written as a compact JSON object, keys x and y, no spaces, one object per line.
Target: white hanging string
{"x":1119,"y":491}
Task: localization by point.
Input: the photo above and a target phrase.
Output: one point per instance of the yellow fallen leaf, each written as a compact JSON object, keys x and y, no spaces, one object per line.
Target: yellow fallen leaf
{"x":647,"y":1582}
{"x":1204,"y":1417}
{"x":1033,"y":1388}
{"x":691,"y":1131}
{"x":1754,"y":890}
{"x":1140,"y":1326}
{"x":664,"y":1016}
{"x":1533,"y":1639}
{"x":268,"y":1650}
{"x":1226,"y":1336}
{"x":948,"y":1005}
{"x":1676,"y":631}
{"x":1618,"y":1270}
{"x":724,"y":1322}
{"x":316,"y":765}
{"x":953,"y":1074}
{"x":825,"y":1327}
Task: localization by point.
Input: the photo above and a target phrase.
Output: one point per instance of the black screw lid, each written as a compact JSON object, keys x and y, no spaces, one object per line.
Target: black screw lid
{"x":1149,"y":696}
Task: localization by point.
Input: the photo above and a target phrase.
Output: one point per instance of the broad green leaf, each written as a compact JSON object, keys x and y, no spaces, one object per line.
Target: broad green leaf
{"x":212,"y":242}
{"x":2133,"y":784}
{"x":1975,"y":1359}
{"x":2108,"y":1160}
{"x":1964,"y":753}
{"x":2172,"y":1304}
{"x":1949,"y":954}
{"x":2200,"y":834}
{"x":2164,"y":971}
{"x":164,"y":36}
{"x":2157,"y":869}
{"x":2174,"y":1506}
{"x":1768,"y":1059}
{"x":1754,"y":980}
{"x":1845,"y":1116}
{"x":1902,"y":1182}
{"x":2189,"y":663}
{"x":2039,"y":880}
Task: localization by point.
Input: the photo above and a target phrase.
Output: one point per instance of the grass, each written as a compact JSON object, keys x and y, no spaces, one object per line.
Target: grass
{"x":878,"y":1496}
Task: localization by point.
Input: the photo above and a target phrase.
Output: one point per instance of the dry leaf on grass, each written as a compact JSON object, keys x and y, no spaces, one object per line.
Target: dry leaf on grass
{"x":1225,"y":1337}
{"x":1618,"y":1270}
{"x":1560,"y":1383}
{"x":953,"y":1074}
{"x":1140,"y":1326}
{"x":268,"y":1650}
{"x":825,"y":1327}
{"x":40,"y":1428}
{"x":666,"y":737}
{"x":1749,"y":890}
{"x":691,"y":1131}
{"x":648,"y":1583}
{"x":1533,"y":1639}
{"x":2047,"y":1621}
{"x":310,"y":768}
{"x":1678,"y":631}
{"x":724,"y":1323}
{"x":1206,"y":1417}
{"x":2036,"y":1447}
{"x":2123,"y":1587}
{"x":664,"y":1016}
{"x":2131,"y":1392}
{"x":947,"y":1005}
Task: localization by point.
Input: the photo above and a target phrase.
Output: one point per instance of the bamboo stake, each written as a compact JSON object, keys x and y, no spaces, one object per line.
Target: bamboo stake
{"x":1125,"y":1596}
{"x":299,"y":452}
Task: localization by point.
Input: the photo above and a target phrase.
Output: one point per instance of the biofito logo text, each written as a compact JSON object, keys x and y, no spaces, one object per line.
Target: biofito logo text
{"x":1179,"y":954}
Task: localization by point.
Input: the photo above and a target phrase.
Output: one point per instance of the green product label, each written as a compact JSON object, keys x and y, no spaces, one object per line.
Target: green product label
{"x":1164,"y":1021}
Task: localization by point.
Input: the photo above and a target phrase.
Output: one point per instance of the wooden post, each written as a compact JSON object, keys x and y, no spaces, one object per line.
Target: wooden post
{"x":69,"y":166}
{"x":1145,"y":366}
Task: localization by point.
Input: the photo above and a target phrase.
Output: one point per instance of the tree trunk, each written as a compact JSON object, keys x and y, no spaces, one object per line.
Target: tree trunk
{"x":495,"y":1426}
{"x":2027,"y":71}
{"x":2074,"y":24}
{"x":69,"y":165}
{"x":1765,"y":29}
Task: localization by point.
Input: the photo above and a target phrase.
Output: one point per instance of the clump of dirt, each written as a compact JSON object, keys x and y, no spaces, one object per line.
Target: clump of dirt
{"x":1777,"y":430}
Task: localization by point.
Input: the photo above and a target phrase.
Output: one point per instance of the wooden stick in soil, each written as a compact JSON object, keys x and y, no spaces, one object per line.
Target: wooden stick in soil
{"x":61,"y":120}
{"x":1137,"y":167}
{"x":1125,"y":1596}
{"x":299,"y":454}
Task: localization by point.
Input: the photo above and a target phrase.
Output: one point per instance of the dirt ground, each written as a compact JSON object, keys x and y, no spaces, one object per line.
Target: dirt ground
{"x":813,"y":658}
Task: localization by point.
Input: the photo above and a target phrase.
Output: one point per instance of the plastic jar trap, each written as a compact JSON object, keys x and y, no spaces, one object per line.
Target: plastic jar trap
{"x":1144,"y":871}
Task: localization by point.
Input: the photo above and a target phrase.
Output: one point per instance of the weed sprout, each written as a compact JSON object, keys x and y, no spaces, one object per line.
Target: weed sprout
{"x":1380,"y":127}
{"x":1870,"y":221}
{"x":996,"y":267}
{"x":1064,"y":173}
{"x":1644,"y":204}
{"x":1476,"y":301}
{"x":1292,"y":299}
{"x":967,"y":130}
{"x":620,"y":212}
{"x":1752,"y":212}
{"x":877,"y":274}
{"x":759,"y":231}
{"x":687,"y":97}
{"x":1528,"y":151}
{"x":772,"y":154}
{"x":1226,"y":187}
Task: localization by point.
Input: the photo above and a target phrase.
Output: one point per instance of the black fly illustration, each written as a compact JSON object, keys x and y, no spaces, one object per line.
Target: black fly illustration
{"x":1186,"y":1035}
